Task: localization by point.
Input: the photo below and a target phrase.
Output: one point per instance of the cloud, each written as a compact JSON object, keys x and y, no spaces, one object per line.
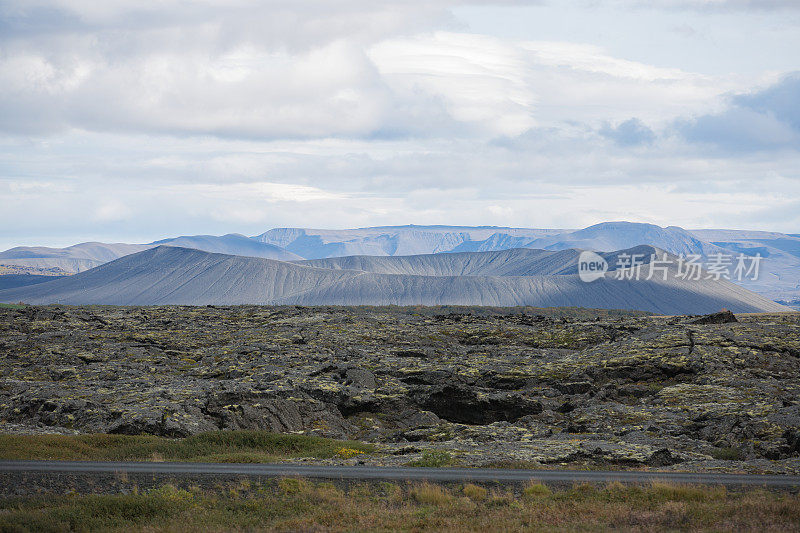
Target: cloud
{"x":112,"y":210}
{"x":480,"y":80}
{"x":243,"y":68}
{"x":294,"y":24}
{"x":782,"y":100}
{"x":256,"y":191}
{"x":305,"y":70}
{"x":504,"y":87}
{"x":763,"y":120}
{"x":632,"y":132}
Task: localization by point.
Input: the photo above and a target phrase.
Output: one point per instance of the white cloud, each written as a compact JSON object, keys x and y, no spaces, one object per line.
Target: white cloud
{"x":255,"y":192}
{"x":112,"y":211}
{"x":483,"y":81}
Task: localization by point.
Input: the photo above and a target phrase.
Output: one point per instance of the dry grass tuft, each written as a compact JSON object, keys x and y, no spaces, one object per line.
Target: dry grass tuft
{"x":474,"y":492}
{"x":430,"y":494}
{"x":677,"y":492}
{"x":536,"y":490}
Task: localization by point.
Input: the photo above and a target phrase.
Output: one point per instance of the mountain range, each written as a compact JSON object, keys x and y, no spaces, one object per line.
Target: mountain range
{"x":421,"y":250}
{"x":183,"y":276}
{"x":88,"y":255}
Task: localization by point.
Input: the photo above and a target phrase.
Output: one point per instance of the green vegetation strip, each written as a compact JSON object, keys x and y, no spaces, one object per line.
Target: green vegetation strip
{"x":299,"y":505}
{"x":214,"y":447}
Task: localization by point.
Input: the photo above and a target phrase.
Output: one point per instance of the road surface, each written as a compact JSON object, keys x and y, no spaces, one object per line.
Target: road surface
{"x":397,"y":473}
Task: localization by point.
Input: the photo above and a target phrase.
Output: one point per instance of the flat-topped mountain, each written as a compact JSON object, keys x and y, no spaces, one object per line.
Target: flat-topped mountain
{"x":397,"y":240}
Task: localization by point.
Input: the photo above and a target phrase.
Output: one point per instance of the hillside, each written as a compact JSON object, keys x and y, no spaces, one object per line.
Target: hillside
{"x":169,"y":275}
{"x":515,"y":262}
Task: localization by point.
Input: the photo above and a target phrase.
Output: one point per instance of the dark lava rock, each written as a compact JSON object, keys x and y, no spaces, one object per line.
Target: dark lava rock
{"x":723,"y":317}
{"x":500,"y":384}
{"x":663,"y":457}
{"x":460,"y":403}
{"x":579,"y":387}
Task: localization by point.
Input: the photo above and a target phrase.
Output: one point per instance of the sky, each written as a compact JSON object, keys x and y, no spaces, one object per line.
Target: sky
{"x":131,"y":121}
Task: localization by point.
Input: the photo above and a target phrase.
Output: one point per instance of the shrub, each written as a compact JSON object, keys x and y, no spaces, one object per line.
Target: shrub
{"x":170,"y":493}
{"x":433,"y":459}
{"x":347,"y":453}
{"x":291,"y":485}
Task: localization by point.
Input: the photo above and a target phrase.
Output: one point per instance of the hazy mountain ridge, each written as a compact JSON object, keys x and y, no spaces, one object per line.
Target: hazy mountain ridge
{"x":389,"y":240}
{"x":76,"y":258}
{"x":85,"y":256}
{"x":232,"y":244}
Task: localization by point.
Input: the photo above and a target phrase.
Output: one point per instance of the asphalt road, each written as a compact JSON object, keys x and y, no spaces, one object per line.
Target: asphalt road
{"x":397,"y":473}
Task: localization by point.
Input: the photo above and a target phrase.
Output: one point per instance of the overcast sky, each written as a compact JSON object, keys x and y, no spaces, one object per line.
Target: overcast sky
{"x":138,"y":120}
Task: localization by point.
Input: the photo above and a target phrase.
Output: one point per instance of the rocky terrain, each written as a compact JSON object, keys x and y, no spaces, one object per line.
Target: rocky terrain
{"x":470,"y":386}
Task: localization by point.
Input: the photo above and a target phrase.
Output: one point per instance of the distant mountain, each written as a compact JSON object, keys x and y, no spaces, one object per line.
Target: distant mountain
{"x":88,"y":255}
{"x":391,"y":240}
{"x":17,"y":269}
{"x":415,"y":240}
{"x":619,"y":235}
{"x":779,"y":278}
{"x":170,"y":275}
{"x":232,"y":244}
{"x":20,"y":276}
{"x":75,"y":258}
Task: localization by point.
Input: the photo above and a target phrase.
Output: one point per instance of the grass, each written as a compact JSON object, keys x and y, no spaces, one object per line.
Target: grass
{"x":13,"y":306}
{"x":300,"y":505}
{"x":214,"y":447}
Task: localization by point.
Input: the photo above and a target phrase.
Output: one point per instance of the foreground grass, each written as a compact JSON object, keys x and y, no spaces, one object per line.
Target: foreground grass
{"x":215,"y":447}
{"x":293,"y":504}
